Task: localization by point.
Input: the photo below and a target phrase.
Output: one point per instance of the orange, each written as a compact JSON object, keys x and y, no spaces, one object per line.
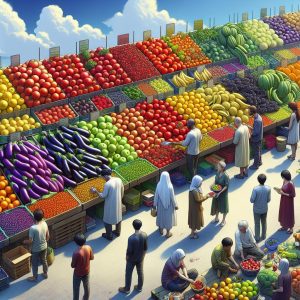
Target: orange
{"x":2,"y":178}
{"x":7,"y":200}
{"x":10,"y":206}
{"x":8,"y":190}
{"x":2,"y":193}
{"x":12,"y":197}
{"x":4,"y":204}
{"x":16,"y":203}
{"x":2,"y":185}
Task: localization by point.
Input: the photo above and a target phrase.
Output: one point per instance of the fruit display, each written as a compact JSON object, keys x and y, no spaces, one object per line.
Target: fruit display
{"x":16,"y":220}
{"x":83,"y":107}
{"x":204,"y":35}
{"x":216,"y":188}
{"x":55,"y":205}
{"x":147,"y":89}
{"x":34,"y":84}
{"x":279,"y":86}
{"x":182,"y":80}
{"x":161,"y":86}
{"x":292,"y":19}
{"x":10,"y":100}
{"x":135,"y":170}
{"x":256,"y":61}
{"x":292,"y":71}
{"x":261,"y":34}
{"x":203,"y":75}
{"x":198,"y":286}
{"x":70,"y":74}
{"x":295,"y":51}
{"x":194,"y":105}
{"x":249,"y":89}
{"x":296,"y":280}
{"x":161,"y":156}
{"x":265,"y":278}
{"x":30,"y":170}
{"x":102,"y":102}
{"x":207,"y":142}
{"x":54,"y":114}
{"x":215,"y":51}
{"x":285,"y":54}
{"x":230,"y":68}
{"x":134,"y":63}
{"x":133,"y":92}
{"x":161,"y":55}
{"x":217,"y":71}
{"x":279,"y":115}
{"x":104,"y":68}
{"x":104,"y":137}
{"x":289,"y":251}
{"x":250,"y":265}
{"x":222,"y":134}
{"x":174,"y":47}
{"x":226,"y":104}
{"x":17,"y":124}
{"x":266,"y":121}
{"x":193,"y":56}
{"x":271,"y":60}
{"x":8,"y":198}
{"x":118,"y":97}
{"x":287,"y":33}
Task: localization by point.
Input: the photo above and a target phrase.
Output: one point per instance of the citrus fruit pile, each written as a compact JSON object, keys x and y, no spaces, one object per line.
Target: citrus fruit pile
{"x":8,"y":199}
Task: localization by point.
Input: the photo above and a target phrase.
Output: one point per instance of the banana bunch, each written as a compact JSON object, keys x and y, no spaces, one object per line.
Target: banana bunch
{"x":204,"y":75}
{"x":182,"y":80}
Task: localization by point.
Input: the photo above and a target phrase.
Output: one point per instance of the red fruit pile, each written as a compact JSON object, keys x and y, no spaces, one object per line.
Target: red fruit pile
{"x":33,"y":82}
{"x":102,"y":102}
{"x":222,"y":134}
{"x":108,"y":71}
{"x":198,"y":285}
{"x":136,"y":65}
{"x":161,"y":55}
{"x":54,"y":114}
{"x":70,"y":74}
{"x":161,"y":156}
{"x":250,"y":264}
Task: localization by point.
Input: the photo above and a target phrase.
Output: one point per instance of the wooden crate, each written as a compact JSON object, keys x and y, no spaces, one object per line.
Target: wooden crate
{"x":16,"y":262}
{"x":161,"y":293}
{"x":63,"y":232}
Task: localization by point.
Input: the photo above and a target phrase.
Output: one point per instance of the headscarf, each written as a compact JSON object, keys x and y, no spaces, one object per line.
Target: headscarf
{"x":165,"y":189}
{"x":177,"y":256}
{"x":284,"y":266}
{"x":196,"y":184}
{"x":243,"y":223}
{"x":222,"y":164}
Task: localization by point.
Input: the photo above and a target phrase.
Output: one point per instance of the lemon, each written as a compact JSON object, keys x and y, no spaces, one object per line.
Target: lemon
{"x":4,"y":132}
{"x":4,"y":121}
{"x":9,"y":109}
{"x":3,"y":104}
{"x":23,"y":106}
{"x":32,"y":126}
{"x":17,"y":118}
{"x":12,"y":123}
{"x":37,"y":125}
{"x":3,"y":88}
{"x":13,"y":102}
{"x":17,"y":107}
{"x":26,"y":127}
{"x":25,"y":117}
{"x":16,"y":96}
{"x":2,"y":127}
{"x":19,"y":128}
{"x":11,"y":129}
{"x":20,"y":101}
{"x":31,"y":120}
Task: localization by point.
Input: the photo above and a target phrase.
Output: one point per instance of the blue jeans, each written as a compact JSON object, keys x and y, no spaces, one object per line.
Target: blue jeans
{"x":129,"y":269}
{"x":76,"y":286}
{"x":256,"y":148}
{"x":36,"y":257}
{"x":179,"y":285}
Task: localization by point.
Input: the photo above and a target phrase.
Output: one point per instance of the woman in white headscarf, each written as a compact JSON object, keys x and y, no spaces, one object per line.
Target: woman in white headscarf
{"x":174,"y":280}
{"x":283,"y":290}
{"x":196,"y":197}
{"x":165,"y":204}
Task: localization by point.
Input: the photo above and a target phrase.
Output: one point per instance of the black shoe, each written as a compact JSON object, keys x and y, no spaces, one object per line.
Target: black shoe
{"x":116,"y":233}
{"x":137,"y":288}
{"x":253,"y":167}
{"x":110,"y":238}
{"x":124,"y":290}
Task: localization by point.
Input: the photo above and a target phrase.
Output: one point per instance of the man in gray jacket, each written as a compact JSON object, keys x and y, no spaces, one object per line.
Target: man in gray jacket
{"x":261,"y":196}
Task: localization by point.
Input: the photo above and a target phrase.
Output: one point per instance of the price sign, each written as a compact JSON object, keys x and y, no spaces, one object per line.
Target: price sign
{"x":200,"y":68}
{"x":95,"y":115}
{"x":181,"y":90}
{"x":241,"y":73}
{"x":281,"y":10}
{"x":15,"y":136}
{"x":263,"y":13}
{"x":150,"y":99}
{"x":245,"y":16}
{"x":198,"y":24}
{"x":210,"y":83}
{"x":64,"y":122}
{"x":54,"y":51}
{"x":284,"y":62}
{"x":123,"y":39}
{"x":170,"y":29}
{"x":147,"y":35}
{"x":83,"y":45}
{"x":15,"y":60}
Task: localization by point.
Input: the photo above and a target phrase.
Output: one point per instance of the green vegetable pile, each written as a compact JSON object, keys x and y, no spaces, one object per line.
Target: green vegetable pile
{"x":256,"y":61}
{"x":279,"y":115}
{"x":266,"y":278}
{"x":161,"y":86}
{"x":202,"y":36}
{"x":289,"y":251}
{"x":135,"y":169}
{"x":215,"y":51}
{"x":133,"y":92}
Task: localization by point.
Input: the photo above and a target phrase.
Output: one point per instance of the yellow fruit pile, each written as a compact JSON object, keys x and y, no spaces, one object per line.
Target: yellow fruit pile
{"x":18,"y":124}
{"x":193,"y":106}
{"x":9,"y":100}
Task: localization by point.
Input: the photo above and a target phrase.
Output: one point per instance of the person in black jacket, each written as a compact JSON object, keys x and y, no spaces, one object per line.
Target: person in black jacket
{"x":136,"y":250}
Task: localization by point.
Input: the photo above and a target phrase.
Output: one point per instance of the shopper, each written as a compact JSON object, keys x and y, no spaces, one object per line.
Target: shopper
{"x":38,"y":238}
{"x":256,"y":137}
{"x":286,"y":209}
{"x":261,"y":196}
{"x":136,"y":250}
{"x":242,"y":149}
{"x":283,"y":290}
{"x":112,"y":194}
{"x":245,"y":243}
{"x":81,"y":264}
{"x":220,"y":201}
{"x":174,"y":280}
{"x":192,"y":142}
{"x":196,"y":197}
{"x":222,"y":260}
{"x":293,"y":135}
{"x":165,"y":204}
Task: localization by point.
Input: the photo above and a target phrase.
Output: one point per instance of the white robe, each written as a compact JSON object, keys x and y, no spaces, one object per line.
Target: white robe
{"x":242,"y":148}
{"x":113,"y":193}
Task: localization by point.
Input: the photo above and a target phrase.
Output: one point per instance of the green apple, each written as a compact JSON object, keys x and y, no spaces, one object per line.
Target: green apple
{"x":111,"y":148}
{"x":134,"y":155}
{"x":122,"y":142}
{"x":109,"y":136}
{"x":106,"y":131}
{"x":127,"y":146}
{"x":110,"y":160}
{"x":102,"y":146}
{"x":101,"y":136}
{"x":89,"y":126}
{"x":118,"y":138}
{"x":115,"y":128}
{"x":107,"y":142}
{"x":105,"y":153}
{"x":108,"y":118}
{"x":130,"y":158}
{"x":132,"y":149}
{"x":125,"y":153}
{"x":120,"y":148}
{"x":112,"y":140}
{"x":112,"y":132}
{"x":109,"y":125}
{"x":81,"y":124}
{"x":95,"y":142}
{"x":94,"y":123}
{"x":102,"y":125}
{"x":101,"y":120}
{"x":116,"y":157}
{"x":94,"y":130}
{"x":114,"y":165}
{"x":122,"y":160}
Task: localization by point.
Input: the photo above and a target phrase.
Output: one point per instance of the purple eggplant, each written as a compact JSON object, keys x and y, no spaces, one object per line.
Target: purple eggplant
{"x":60,"y":186}
{"x":23,"y":149}
{"x":50,"y":158}
{"x":53,"y":147}
{"x":8,"y":150}
{"x":41,"y":172}
{"x":1,"y":154}
{"x":15,"y":187}
{"x":90,"y":160}
{"x":16,"y":148}
{"x":21,"y":166}
{"x":59,"y":178}
{"x":77,"y":177}
{"x":38,"y":189}
{"x":41,"y":181}
{"x":90,"y":173}
{"x":52,"y":138}
{"x":33,"y":194}
{"x":53,"y":187}
{"x":33,"y":158}
{"x":33,"y":164}
{"x":22,"y":158}
{"x":68,"y":182}
{"x":53,"y":167}
{"x":48,"y":172}
{"x":27,"y":175}
{"x":16,"y":173}
{"x":24,"y":195}
{"x":7,"y":163}
{"x":81,"y":131}
{"x":41,"y":159}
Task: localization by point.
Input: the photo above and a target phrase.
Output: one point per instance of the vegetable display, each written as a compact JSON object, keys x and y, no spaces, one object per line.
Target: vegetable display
{"x":83,"y":107}
{"x":256,"y":61}
{"x":10,"y":100}
{"x":133,"y":92}
{"x":31,"y":170}
{"x":207,"y":142}
{"x":217,"y":71}
{"x":102,"y":102}
{"x":118,"y":97}
{"x":182,"y":80}
{"x":147,"y":89}
{"x":266,"y":121}
{"x":215,"y":51}
{"x":8,"y":198}
{"x":160,"y":86}
{"x":204,"y":35}
{"x":296,"y":280}
{"x":281,"y":114}
{"x":285,"y":54}
{"x":15,"y":221}
{"x":250,"y":265}
{"x":289,"y":251}
{"x":292,"y":19}
{"x":265,"y":278}
{"x":222,"y":134}
{"x":55,"y":205}
{"x":249,"y":89}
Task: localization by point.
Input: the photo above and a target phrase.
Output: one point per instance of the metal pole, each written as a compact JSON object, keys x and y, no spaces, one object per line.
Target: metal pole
{"x":76,"y":48}
{"x":234,"y":18}
{"x":209,"y":22}
{"x":252,"y":15}
{"x":214,"y":24}
{"x":274,"y":11}
{"x":160,"y":31}
{"x":187,"y":27}
{"x":292,"y":8}
{"x":106,"y":42}
{"x":39,"y":53}
{"x":298,"y":7}
{"x":270,"y":12}
{"x":133,"y":36}
{"x":229,"y":19}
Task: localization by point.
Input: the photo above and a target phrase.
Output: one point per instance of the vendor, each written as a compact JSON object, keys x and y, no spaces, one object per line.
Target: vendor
{"x":222,"y":260}
{"x":283,"y":290}
{"x":192,"y":142}
{"x":245,"y":244}
{"x":172,"y":279}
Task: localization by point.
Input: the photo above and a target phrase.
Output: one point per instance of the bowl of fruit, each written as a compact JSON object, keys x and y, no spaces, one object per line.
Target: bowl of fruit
{"x":199,"y":285}
{"x":271,"y":244}
{"x":250,"y":267}
{"x":216,"y":188}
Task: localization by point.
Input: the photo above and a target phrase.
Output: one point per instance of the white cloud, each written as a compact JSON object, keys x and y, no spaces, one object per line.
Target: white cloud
{"x":138,"y":16}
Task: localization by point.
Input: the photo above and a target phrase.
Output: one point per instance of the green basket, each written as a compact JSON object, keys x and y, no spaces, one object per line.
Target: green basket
{"x":132,"y":197}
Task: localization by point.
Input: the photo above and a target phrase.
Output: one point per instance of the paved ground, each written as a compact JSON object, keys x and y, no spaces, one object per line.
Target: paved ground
{"x":107,"y":270}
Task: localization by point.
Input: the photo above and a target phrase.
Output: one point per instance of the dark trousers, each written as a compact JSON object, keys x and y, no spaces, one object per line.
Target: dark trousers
{"x":260,"y":219}
{"x":76,"y":286}
{"x":256,"y":148}
{"x":36,"y":257}
{"x":140,"y":271}
{"x":108,"y":228}
{"x":179,"y":285}
{"x":192,"y":164}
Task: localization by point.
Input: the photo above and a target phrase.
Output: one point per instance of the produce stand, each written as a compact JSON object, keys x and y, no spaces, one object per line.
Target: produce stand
{"x":3,"y":239}
{"x":173,"y":165}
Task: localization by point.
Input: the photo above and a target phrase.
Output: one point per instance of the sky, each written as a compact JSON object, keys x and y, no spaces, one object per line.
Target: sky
{"x":27,"y":25}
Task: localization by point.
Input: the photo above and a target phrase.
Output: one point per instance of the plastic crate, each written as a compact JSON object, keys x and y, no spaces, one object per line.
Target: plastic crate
{"x":148,"y":197}
{"x":282,"y":131}
{"x":132,"y":197}
{"x":4,"y":279}
{"x":205,"y":168}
